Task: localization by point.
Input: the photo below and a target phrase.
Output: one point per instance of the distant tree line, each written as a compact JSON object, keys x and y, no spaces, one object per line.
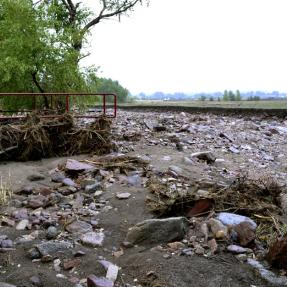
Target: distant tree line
{"x":231,"y":96}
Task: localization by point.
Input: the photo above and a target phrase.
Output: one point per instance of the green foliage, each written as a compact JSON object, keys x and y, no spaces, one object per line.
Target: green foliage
{"x":108,"y":86}
{"x":41,"y":46}
{"x":202,"y":98}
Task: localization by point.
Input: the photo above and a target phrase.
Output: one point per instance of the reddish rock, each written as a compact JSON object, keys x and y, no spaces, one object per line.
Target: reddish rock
{"x":201,"y":206}
{"x":69,"y":264}
{"x":245,"y":233}
{"x":277,"y":253}
{"x":45,"y":191}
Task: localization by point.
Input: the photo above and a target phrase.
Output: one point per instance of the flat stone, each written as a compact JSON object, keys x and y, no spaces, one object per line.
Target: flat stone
{"x":94,"y":281}
{"x":153,"y":231}
{"x":69,"y":182}
{"x":93,"y":239}
{"x":79,"y":226}
{"x":123,"y":195}
{"x":37,"y":201}
{"x":76,"y":166}
{"x":52,"y":247}
{"x":22,"y":224}
{"x":36,"y":177}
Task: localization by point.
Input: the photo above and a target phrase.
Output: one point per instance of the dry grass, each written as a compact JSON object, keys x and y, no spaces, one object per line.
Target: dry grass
{"x":5,"y":191}
{"x":38,"y":138}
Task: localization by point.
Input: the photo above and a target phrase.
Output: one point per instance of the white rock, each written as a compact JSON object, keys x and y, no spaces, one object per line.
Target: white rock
{"x":234,"y":219}
{"x":112,"y":272}
{"x":22,"y":224}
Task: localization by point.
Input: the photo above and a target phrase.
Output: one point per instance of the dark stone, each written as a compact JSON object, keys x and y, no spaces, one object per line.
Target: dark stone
{"x":153,"y":231}
{"x":36,"y":177}
{"x":51,"y":233}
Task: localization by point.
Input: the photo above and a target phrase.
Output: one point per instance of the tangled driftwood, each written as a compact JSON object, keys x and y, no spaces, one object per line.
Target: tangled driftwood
{"x":39,"y":138}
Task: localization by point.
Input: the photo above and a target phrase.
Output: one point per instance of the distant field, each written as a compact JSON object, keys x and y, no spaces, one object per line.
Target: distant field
{"x":280,"y":104}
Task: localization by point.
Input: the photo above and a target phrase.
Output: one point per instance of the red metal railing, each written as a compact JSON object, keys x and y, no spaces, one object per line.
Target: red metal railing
{"x":67,"y":104}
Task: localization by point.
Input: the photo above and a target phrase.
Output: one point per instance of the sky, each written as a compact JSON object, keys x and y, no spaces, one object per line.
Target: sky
{"x":195,"y":46}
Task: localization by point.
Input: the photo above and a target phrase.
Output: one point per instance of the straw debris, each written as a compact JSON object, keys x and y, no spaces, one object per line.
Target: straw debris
{"x":41,"y":138}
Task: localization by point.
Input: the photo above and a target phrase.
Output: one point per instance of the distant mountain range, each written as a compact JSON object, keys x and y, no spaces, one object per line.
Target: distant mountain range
{"x":183,"y":96}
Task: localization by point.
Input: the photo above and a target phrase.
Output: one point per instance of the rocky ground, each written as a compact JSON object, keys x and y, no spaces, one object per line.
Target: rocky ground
{"x":160,"y":212}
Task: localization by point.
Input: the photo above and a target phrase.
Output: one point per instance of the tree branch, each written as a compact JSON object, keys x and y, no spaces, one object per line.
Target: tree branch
{"x":127,"y":5}
{"x":72,"y":9}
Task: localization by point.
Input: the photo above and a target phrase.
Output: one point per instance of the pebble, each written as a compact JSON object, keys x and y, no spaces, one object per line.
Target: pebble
{"x":51,"y":232}
{"x":123,"y":195}
{"x":22,"y":224}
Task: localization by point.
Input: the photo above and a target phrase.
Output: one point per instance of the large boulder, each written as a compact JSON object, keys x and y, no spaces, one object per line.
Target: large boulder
{"x":153,"y":231}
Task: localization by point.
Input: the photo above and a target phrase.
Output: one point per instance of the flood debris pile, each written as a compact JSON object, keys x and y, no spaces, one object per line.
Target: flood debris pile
{"x":245,"y":217}
{"x":41,"y":138}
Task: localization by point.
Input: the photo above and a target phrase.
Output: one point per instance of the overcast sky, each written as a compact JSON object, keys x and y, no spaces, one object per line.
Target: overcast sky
{"x":195,"y":46}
